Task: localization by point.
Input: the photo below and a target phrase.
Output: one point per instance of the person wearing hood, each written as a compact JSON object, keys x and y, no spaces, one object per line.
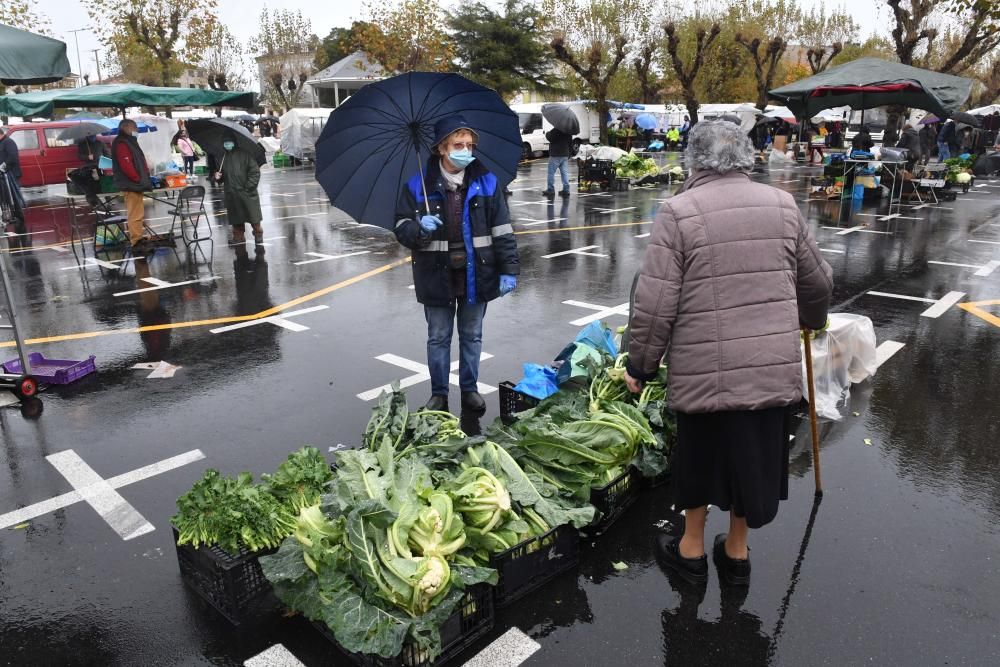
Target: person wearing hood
{"x":455,"y":219}
{"x":862,"y":141}
{"x":910,"y":140}
{"x":240,"y":175}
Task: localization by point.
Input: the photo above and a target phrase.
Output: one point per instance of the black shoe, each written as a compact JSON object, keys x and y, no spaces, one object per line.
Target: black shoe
{"x":692,"y":570}
{"x":731,"y":571}
{"x":438,"y":403}
{"x":549,"y":193}
{"x":471,"y":400}
{"x":564,"y":193}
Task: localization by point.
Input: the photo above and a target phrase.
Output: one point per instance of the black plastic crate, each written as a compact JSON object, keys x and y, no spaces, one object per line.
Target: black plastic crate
{"x":532,"y":563}
{"x":613,"y":499}
{"x":658,"y":480}
{"x":513,"y":401}
{"x":234,"y":585}
{"x":472,"y":620}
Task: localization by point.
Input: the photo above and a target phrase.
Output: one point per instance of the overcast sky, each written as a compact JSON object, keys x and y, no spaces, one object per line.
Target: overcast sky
{"x":241,"y":18}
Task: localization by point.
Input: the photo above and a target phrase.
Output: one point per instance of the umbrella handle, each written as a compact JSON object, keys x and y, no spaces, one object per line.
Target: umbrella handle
{"x":813,"y":421}
{"x":423,"y":185}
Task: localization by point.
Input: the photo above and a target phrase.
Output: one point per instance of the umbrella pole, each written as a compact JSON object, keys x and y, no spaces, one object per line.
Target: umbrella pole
{"x":423,"y":185}
{"x":813,"y":421}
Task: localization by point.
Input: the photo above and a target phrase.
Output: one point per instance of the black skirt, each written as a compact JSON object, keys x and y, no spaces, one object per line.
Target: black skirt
{"x":733,"y":460}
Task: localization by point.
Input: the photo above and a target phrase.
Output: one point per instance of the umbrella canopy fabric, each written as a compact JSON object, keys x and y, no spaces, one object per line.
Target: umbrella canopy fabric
{"x":41,"y":103}
{"x":561,"y":117}
{"x":646,"y":121}
{"x":86,"y":115}
{"x":82,"y":129}
{"x":209,"y":133}
{"x":111,"y":125}
{"x":382,"y":136}
{"x":867,"y":83}
{"x":966,"y":119}
{"x":31,"y":59}
{"x":929,"y":118}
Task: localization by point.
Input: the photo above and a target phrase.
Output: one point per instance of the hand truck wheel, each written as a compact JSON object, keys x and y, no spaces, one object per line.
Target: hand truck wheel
{"x":26,"y":387}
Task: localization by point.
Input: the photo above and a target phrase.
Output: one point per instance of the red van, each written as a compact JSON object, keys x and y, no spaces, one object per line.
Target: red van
{"x":44,"y":156}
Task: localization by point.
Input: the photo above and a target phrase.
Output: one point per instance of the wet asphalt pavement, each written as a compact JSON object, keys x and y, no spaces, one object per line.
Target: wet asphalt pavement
{"x":899,"y":563}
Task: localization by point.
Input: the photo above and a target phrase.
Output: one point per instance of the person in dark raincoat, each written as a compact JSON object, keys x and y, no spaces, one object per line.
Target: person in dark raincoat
{"x":240,"y":175}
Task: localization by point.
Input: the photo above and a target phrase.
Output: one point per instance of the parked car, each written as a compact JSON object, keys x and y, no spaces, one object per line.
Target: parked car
{"x":45,"y":158}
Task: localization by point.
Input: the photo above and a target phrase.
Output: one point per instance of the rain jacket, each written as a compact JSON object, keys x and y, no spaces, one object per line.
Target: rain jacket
{"x":129,"y":170}
{"x":240,"y":174}
{"x":9,"y":156}
{"x":560,"y":143}
{"x":731,"y":272}
{"x":489,"y":237}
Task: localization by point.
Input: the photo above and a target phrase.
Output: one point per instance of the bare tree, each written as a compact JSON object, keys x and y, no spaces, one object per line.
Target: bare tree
{"x":688,"y":73}
{"x":643,"y":65}
{"x":765,"y":62}
{"x":820,"y":57}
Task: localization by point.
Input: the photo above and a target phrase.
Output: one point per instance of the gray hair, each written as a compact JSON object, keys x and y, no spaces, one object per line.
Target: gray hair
{"x":720,"y":146}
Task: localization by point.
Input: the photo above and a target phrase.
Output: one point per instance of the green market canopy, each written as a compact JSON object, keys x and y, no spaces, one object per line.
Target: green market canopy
{"x":42,"y":103}
{"x":867,"y":83}
{"x":27,"y":58}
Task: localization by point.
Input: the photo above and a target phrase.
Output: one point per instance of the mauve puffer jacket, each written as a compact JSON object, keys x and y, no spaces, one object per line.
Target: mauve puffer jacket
{"x":731,"y":272}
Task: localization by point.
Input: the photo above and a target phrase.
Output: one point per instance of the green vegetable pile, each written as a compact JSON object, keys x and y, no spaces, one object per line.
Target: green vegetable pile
{"x":236,"y":514}
{"x":634,"y":167}
{"x":410,"y":521}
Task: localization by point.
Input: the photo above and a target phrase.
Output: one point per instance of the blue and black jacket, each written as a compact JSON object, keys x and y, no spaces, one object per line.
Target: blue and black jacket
{"x":490,"y":247}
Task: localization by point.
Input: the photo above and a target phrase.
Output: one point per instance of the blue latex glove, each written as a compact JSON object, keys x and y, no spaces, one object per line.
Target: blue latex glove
{"x":507,"y":284}
{"x":430,"y":223}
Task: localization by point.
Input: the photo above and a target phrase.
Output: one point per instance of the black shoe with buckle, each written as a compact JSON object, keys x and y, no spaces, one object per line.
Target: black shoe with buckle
{"x":732,"y":571}
{"x":471,"y":400}
{"x":692,"y":570}
{"x":438,"y":403}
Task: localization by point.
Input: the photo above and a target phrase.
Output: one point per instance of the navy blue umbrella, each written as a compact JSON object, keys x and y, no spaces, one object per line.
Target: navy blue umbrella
{"x":381,"y":137}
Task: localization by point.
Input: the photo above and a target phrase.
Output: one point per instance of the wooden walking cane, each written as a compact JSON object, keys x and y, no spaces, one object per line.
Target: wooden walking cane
{"x":813,"y":421}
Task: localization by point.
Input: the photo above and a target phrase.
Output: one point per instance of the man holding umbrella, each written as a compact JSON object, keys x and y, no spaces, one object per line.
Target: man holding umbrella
{"x":464,"y":253}
{"x":241,"y":175}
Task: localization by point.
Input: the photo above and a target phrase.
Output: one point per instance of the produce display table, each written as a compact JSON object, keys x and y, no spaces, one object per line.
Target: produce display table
{"x":851,"y":168}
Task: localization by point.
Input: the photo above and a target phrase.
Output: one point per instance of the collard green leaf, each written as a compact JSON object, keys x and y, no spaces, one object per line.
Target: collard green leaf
{"x":358,"y":478}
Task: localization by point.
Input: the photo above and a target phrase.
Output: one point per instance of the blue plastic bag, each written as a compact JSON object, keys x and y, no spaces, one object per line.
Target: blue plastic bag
{"x":599,"y":337}
{"x":538,"y":381}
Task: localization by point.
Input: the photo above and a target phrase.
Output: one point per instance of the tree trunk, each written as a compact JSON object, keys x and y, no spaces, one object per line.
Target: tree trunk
{"x":894,"y":116}
{"x":602,"y":113}
{"x":692,"y":106}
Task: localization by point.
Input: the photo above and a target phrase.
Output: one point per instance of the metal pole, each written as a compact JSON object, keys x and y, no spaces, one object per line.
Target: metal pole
{"x":97,"y":60}
{"x":11,"y":311}
{"x":79,"y":65}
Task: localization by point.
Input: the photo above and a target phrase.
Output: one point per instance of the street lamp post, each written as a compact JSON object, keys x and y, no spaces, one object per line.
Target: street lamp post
{"x":98,"y":61}
{"x":79,"y":65}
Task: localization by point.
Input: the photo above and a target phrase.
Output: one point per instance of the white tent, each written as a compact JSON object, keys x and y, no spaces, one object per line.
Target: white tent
{"x":986,"y":110}
{"x":156,"y":145}
{"x":300,"y":129}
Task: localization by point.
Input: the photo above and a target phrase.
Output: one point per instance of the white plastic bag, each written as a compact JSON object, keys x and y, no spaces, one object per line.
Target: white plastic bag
{"x":845,"y":354}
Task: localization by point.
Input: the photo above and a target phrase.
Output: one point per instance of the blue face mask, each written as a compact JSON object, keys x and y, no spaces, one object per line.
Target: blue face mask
{"x":462,"y":158}
{"x":228,"y":145}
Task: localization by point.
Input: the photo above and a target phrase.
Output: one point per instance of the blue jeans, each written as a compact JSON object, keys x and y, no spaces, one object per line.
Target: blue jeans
{"x":562,"y":164}
{"x":440,"y":324}
{"x":943,"y":151}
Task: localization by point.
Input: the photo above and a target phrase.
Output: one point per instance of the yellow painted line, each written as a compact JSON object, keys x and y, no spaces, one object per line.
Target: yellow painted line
{"x":220,"y":320}
{"x":974,"y":309}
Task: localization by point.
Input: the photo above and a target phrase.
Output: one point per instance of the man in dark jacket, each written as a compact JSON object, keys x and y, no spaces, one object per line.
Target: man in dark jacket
{"x":131,"y":176}
{"x":910,"y":140}
{"x":928,"y":139}
{"x":455,"y":219}
{"x":947,"y":139}
{"x":862,"y":141}
{"x":10,"y":166}
{"x":560,"y":148}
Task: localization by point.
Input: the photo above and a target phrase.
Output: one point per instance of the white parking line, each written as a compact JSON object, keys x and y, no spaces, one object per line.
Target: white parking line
{"x":158,"y":284}
{"x":831,"y":250}
{"x":984,"y":242}
{"x":508,"y":650}
{"x":602,"y":311}
{"x":276,"y":656}
{"x":421,"y":373}
{"x":643,"y":236}
{"x":982,"y":270}
{"x":576,"y":251}
{"x":943,"y":304}
{"x":277,"y":320}
{"x":903,"y":296}
{"x":885,"y":351}
{"x":327,"y":258}
{"x":606,"y":211}
{"x":65,"y":500}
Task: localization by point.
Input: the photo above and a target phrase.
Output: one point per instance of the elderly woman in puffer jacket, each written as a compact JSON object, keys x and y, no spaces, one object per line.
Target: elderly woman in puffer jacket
{"x":731,"y":273}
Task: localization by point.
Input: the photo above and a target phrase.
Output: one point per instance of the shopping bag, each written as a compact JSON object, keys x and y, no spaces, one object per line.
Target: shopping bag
{"x":843,"y":355}
{"x":599,"y":337}
{"x":538,"y":381}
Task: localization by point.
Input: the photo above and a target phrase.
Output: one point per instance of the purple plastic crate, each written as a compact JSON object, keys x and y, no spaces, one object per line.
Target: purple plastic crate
{"x":53,"y":371}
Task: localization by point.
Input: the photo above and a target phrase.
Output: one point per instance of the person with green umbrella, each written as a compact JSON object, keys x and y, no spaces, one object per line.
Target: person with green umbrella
{"x":240,"y":175}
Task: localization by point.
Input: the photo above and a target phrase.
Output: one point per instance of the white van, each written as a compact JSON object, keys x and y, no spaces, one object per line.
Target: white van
{"x":534,"y":126}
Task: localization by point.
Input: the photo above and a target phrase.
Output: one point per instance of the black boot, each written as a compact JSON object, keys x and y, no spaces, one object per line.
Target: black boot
{"x":564,"y":193}
{"x":438,"y":403}
{"x":549,"y":193}
{"x":471,"y":400}
{"x":732,"y":571}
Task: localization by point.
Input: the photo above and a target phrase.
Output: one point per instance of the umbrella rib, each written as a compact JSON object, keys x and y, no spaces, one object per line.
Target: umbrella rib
{"x":355,"y":172}
{"x":377,"y":176}
{"x":427,"y":95}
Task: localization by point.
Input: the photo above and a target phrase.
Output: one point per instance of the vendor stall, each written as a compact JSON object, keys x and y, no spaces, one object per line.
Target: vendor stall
{"x":300,"y":129}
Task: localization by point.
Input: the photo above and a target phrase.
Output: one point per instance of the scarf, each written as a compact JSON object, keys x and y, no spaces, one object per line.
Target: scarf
{"x":452,"y":181}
